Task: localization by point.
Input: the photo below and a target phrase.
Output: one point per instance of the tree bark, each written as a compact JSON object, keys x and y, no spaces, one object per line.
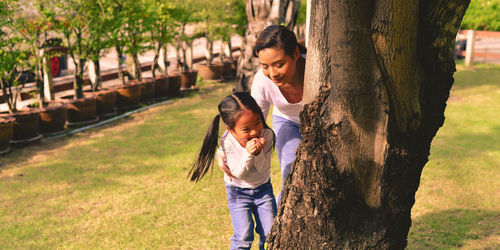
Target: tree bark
{"x":119,"y":55}
{"x":261,"y":13}
{"x":378,"y":75}
{"x":78,"y":80}
{"x":95,"y":74}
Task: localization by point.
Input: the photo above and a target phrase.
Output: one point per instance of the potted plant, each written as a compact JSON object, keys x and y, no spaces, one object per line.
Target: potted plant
{"x":72,"y":22}
{"x":163,"y":30}
{"x":23,"y":123}
{"x":211,"y":13}
{"x":233,"y":23}
{"x":129,"y":37}
{"x":99,"y":30}
{"x":185,"y":16}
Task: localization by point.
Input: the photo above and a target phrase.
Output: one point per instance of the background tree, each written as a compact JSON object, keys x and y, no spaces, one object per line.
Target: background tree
{"x":163,"y":29}
{"x":72,"y":21}
{"x":186,"y":15}
{"x":13,"y":56}
{"x":233,"y":22}
{"x":482,"y":15}
{"x":378,"y":75}
{"x":211,"y":13}
{"x":33,"y":29}
{"x":261,"y":14}
{"x":130,"y":33}
{"x":98,"y":36}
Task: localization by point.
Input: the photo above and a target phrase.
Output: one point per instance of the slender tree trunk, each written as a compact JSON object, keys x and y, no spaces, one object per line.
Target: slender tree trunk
{"x":119,"y":55}
{"x":378,"y":75}
{"x":95,"y":74}
{"x":155,"y":59}
{"x":230,"y":49}
{"x":10,"y":98}
{"x":162,"y":61}
{"x":78,"y":80}
{"x":184,"y":46}
{"x":39,"y":82}
{"x":137,"y":66}
{"x":261,"y":14}
{"x":209,"y":51}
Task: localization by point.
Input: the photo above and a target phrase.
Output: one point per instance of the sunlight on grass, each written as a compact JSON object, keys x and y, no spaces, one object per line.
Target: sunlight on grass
{"x":458,"y":202}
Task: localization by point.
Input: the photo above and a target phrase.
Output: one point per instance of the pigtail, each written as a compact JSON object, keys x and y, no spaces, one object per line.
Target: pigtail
{"x":207,"y":153}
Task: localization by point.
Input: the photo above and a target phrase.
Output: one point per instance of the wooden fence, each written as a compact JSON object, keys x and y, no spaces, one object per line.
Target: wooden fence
{"x":480,"y":46}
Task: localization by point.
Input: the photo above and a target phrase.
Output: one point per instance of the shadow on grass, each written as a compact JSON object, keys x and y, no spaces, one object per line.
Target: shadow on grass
{"x":453,"y":228}
{"x":475,"y":76}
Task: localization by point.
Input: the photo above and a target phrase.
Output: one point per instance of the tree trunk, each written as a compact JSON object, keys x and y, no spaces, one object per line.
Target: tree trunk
{"x":119,"y":55}
{"x":78,"y":81}
{"x":209,"y":51}
{"x":95,"y":74}
{"x":260,"y":15}
{"x":378,"y":75}
{"x":137,"y":67}
{"x":155,"y":60}
{"x":162,"y":60}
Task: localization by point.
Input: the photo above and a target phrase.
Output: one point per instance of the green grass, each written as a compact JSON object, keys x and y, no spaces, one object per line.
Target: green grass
{"x":458,"y":202}
{"x":124,"y":185}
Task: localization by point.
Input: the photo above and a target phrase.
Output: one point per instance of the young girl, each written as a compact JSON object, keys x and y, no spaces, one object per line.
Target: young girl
{"x":280,"y":83}
{"x":246,"y":147}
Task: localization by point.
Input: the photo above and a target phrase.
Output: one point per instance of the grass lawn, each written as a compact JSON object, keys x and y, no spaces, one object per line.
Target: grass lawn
{"x":124,"y":185}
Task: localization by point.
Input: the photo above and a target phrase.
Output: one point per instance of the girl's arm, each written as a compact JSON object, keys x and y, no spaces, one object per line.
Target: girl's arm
{"x":238,"y":164}
{"x":262,"y":161}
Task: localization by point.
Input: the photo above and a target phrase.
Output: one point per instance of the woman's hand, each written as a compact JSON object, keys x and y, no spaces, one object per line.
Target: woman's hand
{"x":221,"y":160}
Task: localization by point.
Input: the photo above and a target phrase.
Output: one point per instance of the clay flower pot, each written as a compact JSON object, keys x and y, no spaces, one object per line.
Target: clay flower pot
{"x":188,"y":79}
{"x":174,"y":85}
{"x":229,"y":70}
{"x":147,"y":90}
{"x":211,"y":72}
{"x":25,"y":127}
{"x":53,"y":119}
{"x":105,"y":102}
{"x":81,"y":111}
{"x":161,"y":87}
{"x":128,"y":96}
{"x":6,"y":133}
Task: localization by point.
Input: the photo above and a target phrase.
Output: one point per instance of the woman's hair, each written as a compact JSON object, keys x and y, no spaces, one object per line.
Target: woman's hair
{"x":230,"y":110}
{"x":277,"y":36}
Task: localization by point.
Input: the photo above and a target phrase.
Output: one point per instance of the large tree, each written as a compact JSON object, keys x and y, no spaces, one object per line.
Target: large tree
{"x":260,"y":14}
{"x":378,"y":75}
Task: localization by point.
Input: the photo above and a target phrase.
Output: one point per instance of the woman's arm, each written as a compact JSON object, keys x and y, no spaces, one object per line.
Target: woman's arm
{"x":258,"y":93}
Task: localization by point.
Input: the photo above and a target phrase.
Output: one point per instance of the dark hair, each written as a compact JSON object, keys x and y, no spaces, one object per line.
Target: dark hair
{"x":278,"y":36}
{"x":230,"y":110}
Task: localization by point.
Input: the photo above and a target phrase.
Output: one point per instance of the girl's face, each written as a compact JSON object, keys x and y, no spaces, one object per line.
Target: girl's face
{"x":277,"y":65}
{"x":246,"y":127}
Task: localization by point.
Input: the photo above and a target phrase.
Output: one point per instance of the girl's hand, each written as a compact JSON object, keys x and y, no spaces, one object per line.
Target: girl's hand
{"x":255,"y":145}
{"x":221,"y":161}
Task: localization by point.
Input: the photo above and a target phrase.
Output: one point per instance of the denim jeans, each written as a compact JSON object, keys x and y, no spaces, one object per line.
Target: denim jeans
{"x":288,"y":139}
{"x":242,"y":203}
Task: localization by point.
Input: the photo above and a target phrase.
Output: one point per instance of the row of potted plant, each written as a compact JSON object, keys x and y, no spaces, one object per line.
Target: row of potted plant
{"x":84,"y":29}
{"x":28,"y":125}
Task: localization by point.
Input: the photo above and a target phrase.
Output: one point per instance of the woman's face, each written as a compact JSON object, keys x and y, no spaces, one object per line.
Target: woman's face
{"x":277,"y":65}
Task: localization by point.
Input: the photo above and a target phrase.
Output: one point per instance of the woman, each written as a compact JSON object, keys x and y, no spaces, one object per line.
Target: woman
{"x":280,"y":83}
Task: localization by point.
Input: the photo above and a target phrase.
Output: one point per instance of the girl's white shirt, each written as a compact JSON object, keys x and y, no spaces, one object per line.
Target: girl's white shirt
{"x":250,"y":171}
{"x":265,"y":93}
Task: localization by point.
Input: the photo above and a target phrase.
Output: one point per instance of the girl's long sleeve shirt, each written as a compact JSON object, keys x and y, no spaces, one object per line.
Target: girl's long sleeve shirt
{"x":250,"y":171}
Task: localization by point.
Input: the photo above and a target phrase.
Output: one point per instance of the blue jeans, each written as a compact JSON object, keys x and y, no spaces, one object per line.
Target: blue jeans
{"x":288,"y":139}
{"x":242,"y":203}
